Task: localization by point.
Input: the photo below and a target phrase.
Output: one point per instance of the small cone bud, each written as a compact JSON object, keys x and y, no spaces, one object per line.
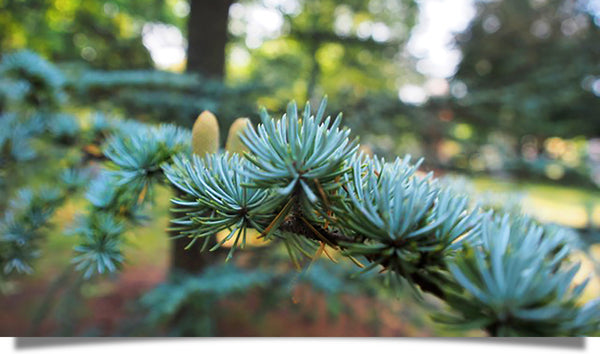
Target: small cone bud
{"x":234,"y":143}
{"x":205,"y":134}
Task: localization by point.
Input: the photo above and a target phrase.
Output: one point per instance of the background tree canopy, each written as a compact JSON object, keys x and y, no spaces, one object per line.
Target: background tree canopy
{"x":522,"y":73}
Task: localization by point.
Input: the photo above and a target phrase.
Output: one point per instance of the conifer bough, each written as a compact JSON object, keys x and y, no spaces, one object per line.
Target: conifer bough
{"x":303,"y":182}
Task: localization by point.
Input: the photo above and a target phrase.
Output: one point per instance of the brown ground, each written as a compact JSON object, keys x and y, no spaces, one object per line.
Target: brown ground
{"x":110,"y":305}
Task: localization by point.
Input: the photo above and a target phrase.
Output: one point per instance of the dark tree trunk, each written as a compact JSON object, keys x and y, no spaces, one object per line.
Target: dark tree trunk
{"x":207,"y":37}
{"x":191,"y":260}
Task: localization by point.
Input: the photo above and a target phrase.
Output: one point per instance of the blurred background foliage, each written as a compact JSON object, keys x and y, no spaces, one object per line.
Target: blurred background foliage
{"x":506,"y":92}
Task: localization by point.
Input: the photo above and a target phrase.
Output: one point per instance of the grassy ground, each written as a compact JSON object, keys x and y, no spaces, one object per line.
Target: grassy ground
{"x":549,"y":202}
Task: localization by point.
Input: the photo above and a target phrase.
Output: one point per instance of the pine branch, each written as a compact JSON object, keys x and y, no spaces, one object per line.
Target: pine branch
{"x":337,"y":239}
{"x":315,"y":189}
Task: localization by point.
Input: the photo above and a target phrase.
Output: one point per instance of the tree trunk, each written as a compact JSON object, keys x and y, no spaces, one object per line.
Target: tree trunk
{"x":207,"y":37}
{"x":191,"y":260}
